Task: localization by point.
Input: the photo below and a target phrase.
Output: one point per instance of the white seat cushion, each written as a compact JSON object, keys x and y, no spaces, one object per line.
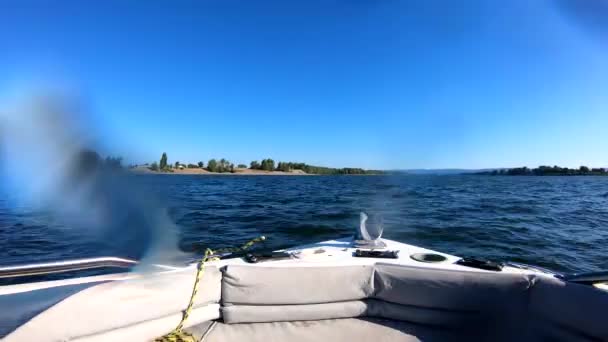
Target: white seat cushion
{"x":251,"y":285}
{"x":123,"y":303}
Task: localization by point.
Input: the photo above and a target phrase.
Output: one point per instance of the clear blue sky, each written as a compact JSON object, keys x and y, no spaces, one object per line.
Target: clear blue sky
{"x":376,"y":84}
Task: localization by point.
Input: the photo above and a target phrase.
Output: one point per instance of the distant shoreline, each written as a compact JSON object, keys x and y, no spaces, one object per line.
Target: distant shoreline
{"x":533,"y":175}
{"x":546,"y":171}
{"x":257,"y":173}
{"x":237,"y":171}
{"x":266,"y":167}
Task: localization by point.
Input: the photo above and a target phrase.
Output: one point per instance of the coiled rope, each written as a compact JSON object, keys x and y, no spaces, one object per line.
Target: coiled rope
{"x":177,"y":334}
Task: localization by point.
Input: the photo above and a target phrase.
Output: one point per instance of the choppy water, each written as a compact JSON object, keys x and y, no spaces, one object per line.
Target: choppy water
{"x":556,"y":222}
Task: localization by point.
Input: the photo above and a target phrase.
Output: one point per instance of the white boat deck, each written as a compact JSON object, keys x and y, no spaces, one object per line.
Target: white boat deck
{"x":337,"y":252}
{"x":340,"y":252}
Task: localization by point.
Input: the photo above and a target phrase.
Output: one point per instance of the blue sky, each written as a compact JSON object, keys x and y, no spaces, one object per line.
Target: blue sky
{"x":375,"y":84}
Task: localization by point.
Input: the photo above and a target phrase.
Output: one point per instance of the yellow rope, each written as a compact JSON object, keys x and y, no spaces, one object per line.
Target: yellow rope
{"x":177,"y":334}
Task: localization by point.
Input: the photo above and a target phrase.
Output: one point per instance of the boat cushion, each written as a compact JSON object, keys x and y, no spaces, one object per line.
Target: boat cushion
{"x":492,"y":305}
{"x":369,"y":307}
{"x":484,"y":302}
{"x":125,"y":303}
{"x":569,"y":312}
{"x":18,"y":308}
{"x":301,"y":312}
{"x":335,"y":330}
{"x":149,"y":330}
{"x":256,"y":285}
{"x":448,"y":289}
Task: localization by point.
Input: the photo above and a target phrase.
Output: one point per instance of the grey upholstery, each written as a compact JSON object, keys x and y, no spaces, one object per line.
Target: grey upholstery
{"x":568,"y":312}
{"x":296,"y":285}
{"x":483,"y":306}
{"x":421,"y":315}
{"x":334,"y":330}
{"x":353,"y":303}
{"x":302,"y":312}
{"x":447,"y":289}
{"x":140,"y":308}
{"x":19,"y":308}
{"x":489,"y":305}
{"x":480,"y":302}
{"x":267,"y":294}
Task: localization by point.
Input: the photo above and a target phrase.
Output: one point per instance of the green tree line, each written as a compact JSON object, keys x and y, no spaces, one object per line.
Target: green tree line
{"x":266,"y":165}
{"x":223,"y":165}
{"x":269,"y":165}
{"x":213,"y":165}
{"x":548,"y":171}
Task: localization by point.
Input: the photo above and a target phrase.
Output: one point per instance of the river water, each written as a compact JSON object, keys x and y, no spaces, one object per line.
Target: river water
{"x":555,"y":222}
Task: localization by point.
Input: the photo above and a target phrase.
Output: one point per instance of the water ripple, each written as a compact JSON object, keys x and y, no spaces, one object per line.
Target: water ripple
{"x":555,"y":222}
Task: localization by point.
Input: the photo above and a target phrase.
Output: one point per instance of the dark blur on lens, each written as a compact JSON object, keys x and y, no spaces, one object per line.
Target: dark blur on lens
{"x":60,"y":170}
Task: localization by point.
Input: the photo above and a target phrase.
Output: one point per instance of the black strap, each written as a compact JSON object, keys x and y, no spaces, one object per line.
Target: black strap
{"x":362,"y":253}
{"x":481,"y":264}
{"x":269,"y":256}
